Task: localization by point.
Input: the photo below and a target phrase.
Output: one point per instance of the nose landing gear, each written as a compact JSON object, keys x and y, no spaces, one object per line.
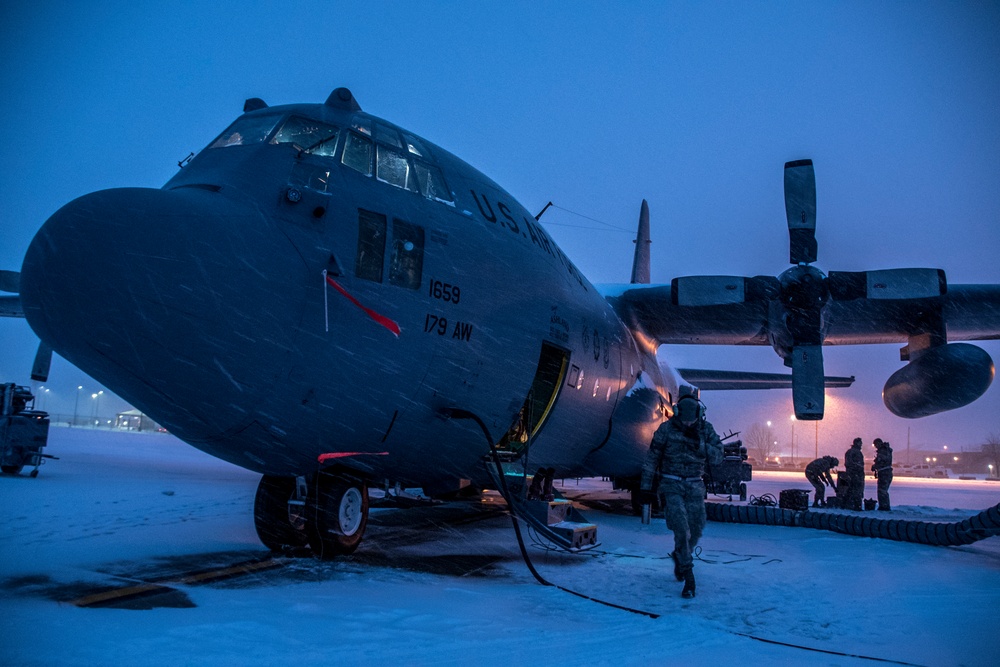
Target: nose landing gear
{"x":329,"y":515}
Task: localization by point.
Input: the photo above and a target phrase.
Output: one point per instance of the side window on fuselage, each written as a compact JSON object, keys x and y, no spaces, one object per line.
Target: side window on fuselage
{"x":371,"y":246}
{"x":406,"y":264}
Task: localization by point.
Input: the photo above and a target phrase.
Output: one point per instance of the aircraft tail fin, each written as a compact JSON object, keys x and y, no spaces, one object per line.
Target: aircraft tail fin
{"x":640,"y":263}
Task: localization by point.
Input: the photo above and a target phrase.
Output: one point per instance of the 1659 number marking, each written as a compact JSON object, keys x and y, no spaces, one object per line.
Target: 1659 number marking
{"x":444,"y":291}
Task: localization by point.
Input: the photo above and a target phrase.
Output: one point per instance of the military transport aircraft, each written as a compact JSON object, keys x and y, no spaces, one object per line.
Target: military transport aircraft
{"x":332,"y":301}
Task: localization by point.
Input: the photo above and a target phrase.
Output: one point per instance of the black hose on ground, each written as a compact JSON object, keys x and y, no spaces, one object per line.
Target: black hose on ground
{"x":975,"y":528}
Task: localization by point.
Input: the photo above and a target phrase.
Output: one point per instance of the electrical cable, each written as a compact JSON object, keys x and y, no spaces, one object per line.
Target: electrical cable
{"x":459,"y":413}
{"x":766,"y":500}
{"x":823,"y":650}
{"x":505,"y":492}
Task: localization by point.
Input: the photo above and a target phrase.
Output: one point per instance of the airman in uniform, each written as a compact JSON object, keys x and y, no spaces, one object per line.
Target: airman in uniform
{"x":673,"y":469}
{"x":818,"y":474}
{"x":854,"y":463}
{"x":882,"y":467}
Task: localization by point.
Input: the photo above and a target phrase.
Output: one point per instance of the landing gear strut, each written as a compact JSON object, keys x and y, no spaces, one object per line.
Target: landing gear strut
{"x":328,"y":513}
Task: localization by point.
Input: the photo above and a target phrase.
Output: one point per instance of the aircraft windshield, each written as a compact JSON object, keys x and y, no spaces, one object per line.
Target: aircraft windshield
{"x":246,"y":130}
{"x":309,"y":135}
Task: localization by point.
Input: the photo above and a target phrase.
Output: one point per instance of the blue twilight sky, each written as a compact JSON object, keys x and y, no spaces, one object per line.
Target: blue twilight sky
{"x":595,"y":106}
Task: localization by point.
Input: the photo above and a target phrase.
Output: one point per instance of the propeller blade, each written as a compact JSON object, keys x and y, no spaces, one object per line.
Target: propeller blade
{"x":800,"y":209}
{"x":808,"y":381}
{"x":10,"y":281}
{"x":722,"y":290}
{"x":43,"y":360}
{"x":887,"y":284}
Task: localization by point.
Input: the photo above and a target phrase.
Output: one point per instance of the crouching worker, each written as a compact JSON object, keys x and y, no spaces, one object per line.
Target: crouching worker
{"x":673,"y":470}
{"x":818,"y":474}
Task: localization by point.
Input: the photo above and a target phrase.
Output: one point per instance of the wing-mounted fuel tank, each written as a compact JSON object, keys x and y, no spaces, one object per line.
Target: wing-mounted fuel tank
{"x":937,"y":379}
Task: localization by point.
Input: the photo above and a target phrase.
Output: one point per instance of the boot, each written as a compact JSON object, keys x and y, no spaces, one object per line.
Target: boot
{"x":688,"y":591}
{"x":547,"y":484}
{"x":678,"y":575}
{"x":537,"y":483}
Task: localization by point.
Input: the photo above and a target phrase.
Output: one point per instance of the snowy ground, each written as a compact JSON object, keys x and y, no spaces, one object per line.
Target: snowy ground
{"x":446,"y":585}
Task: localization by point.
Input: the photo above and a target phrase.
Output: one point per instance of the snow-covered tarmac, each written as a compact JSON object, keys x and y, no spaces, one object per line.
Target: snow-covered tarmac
{"x":446,"y":585}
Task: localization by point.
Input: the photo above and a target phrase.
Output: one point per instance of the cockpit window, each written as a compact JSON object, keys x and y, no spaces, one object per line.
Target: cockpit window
{"x":387,"y":135}
{"x":246,"y":130}
{"x":414,"y":146}
{"x":401,"y":159}
{"x":358,"y":153}
{"x":393,"y":168}
{"x":309,"y":135}
{"x":431,"y":182}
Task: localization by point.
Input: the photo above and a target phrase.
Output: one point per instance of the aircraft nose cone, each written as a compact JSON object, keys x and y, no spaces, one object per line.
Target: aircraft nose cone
{"x":145,"y":290}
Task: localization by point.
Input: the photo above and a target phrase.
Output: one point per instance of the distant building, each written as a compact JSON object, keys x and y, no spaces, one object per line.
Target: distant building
{"x":133,"y":420}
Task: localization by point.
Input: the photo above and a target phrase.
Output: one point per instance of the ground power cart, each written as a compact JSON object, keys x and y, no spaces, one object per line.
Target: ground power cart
{"x":730,"y":476}
{"x":23,"y":431}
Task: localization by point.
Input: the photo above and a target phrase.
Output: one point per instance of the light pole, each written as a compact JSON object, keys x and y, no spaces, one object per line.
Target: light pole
{"x":76,"y":404}
{"x":816,"y":455}
{"x":793,"y":439}
{"x":991,"y":469}
{"x":93,"y":410}
{"x":97,"y":409}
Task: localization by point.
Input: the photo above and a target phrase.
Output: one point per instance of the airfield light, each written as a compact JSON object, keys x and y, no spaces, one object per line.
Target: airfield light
{"x":946,"y":448}
{"x":955,"y":458}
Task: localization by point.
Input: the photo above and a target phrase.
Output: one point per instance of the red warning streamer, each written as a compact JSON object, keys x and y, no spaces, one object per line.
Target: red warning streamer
{"x":342,"y":455}
{"x":381,"y":319}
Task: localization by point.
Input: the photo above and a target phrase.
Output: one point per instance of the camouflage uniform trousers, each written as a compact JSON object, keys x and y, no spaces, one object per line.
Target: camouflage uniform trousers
{"x":855,"y":492}
{"x":884,"y":480}
{"x":820,"y":487}
{"x":684,"y":510}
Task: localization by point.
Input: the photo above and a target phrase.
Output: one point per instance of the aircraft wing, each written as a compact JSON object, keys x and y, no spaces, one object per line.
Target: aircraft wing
{"x":710,"y":380}
{"x":10,"y":306}
{"x":970,"y":312}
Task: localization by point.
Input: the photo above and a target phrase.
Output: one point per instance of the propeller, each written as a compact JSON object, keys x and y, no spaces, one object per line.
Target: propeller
{"x":43,"y":360}
{"x":798,"y":299}
{"x":10,"y":281}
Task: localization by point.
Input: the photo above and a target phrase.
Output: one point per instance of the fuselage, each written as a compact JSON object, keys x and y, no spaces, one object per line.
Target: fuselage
{"x":249,"y":306}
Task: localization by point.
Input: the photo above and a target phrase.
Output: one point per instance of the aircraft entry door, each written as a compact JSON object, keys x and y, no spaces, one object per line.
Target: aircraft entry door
{"x":549,"y":377}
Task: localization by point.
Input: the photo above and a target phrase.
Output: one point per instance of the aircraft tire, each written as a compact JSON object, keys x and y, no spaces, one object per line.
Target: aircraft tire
{"x":339,"y":517}
{"x":270,"y":514}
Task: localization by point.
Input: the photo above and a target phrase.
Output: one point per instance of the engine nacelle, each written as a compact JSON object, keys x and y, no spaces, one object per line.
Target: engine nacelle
{"x":943,"y":378}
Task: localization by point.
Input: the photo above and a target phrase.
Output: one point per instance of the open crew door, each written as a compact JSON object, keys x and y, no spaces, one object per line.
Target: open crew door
{"x":552,"y":364}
